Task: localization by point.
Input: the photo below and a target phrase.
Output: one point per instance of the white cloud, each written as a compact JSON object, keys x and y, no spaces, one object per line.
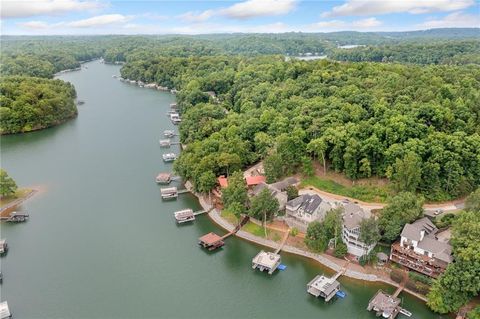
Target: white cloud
{"x":98,"y":21}
{"x":101,"y":20}
{"x":244,"y":10}
{"x":453,"y":20}
{"x":374,"y":7}
{"x":259,"y":8}
{"x":197,"y":16}
{"x":345,"y":25}
{"x":29,"y":8}
{"x":34,"y":25}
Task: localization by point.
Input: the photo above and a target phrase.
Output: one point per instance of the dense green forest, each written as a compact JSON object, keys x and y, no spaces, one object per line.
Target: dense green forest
{"x":29,"y":103}
{"x":444,"y":52}
{"x":366,"y":119}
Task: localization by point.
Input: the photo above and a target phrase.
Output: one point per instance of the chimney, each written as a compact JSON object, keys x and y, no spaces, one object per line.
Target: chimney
{"x":422,"y":234}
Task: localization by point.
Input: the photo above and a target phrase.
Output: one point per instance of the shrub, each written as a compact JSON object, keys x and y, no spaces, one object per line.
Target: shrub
{"x":340,"y":250}
{"x":420,"y":278}
{"x":396,"y":275}
{"x":294,"y":232}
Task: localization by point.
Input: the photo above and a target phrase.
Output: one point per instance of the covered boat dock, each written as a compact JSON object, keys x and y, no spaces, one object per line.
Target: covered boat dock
{"x":322,"y":286}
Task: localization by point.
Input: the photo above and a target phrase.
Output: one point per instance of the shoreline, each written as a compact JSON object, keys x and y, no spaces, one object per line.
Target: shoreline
{"x":215,"y":217}
{"x":18,"y":201}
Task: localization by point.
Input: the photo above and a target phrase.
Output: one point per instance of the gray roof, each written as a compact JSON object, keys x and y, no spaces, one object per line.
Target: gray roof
{"x":427,"y":225}
{"x":413,"y":231}
{"x":352,"y":216}
{"x":439,"y":249}
{"x":309,"y":203}
{"x":282,"y":185}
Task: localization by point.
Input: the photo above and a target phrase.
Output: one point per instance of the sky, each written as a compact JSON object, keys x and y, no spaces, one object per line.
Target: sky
{"x":78,"y":17}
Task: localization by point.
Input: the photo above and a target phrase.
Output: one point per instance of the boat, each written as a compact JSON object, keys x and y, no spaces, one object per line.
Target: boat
{"x":168,"y":133}
{"x":163,"y":178}
{"x":169,"y":157}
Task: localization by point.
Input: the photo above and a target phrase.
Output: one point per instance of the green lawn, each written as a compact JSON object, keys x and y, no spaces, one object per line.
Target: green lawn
{"x":366,"y":193}
{"x":250,"y":227}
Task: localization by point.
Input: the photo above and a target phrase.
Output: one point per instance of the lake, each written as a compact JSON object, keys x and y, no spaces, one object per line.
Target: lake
{"x":100,"y":242}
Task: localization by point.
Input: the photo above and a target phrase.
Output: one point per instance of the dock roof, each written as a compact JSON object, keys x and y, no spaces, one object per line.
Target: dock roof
{"x":324,"y":284}
{"x":210,"y":238}
{"x":266,"y":259}
{"x":385,"y":303}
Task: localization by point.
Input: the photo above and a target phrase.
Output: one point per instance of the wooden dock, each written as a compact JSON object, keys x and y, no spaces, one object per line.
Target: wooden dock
{"x":212,"y":241}
{"x":15,"y":217}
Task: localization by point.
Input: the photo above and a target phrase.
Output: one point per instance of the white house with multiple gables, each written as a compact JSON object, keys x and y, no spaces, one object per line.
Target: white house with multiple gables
{"x":421,"y":250}
{"x":352,"y":216}
{"x":305,"y":209}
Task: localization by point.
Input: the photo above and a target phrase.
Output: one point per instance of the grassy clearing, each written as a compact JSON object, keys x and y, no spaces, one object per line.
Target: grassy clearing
{"x":21,"y":192}
{"x":366,"y":193}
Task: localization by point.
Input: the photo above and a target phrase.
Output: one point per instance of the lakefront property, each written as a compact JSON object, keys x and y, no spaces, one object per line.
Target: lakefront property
{"x":240,"y":159}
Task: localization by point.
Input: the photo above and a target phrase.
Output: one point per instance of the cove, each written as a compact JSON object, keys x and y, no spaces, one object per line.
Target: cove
{"x":100,"y":242}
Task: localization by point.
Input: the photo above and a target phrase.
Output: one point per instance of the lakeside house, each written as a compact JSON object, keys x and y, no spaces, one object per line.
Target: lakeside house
{"x":280,"y":195}
{"x":421,"y":250}
{"x":305,"y":209}
{"x":352,"y":217}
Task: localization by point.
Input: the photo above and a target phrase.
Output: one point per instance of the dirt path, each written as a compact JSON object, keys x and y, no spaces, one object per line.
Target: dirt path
{"x":445,"y":206}
{"x":5,"y":210}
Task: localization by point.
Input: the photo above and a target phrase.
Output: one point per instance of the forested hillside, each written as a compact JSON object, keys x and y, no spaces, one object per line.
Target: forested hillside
{"x":366,"y":119}
{"x":444,"y":52}
{"x":29,"y":103}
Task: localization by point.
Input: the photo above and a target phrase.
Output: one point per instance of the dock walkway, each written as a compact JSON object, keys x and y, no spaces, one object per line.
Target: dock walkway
{"x":284,"y":240}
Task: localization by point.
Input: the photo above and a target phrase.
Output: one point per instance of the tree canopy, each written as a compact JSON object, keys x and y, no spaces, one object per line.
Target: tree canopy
{"x":8,"y":187}
{"x":402,"y":209}
{"x":29,"y":103}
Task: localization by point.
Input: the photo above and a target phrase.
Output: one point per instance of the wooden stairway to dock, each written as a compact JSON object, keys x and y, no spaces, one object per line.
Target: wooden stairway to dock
{"x":402,"y":285}
{"x":341,"y":271}
{"x":284,"y":240}
{"x":244,"y":220}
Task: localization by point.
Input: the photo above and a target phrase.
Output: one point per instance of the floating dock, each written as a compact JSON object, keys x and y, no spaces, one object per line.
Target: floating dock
{"x":266,"y":260}
{"x":184,"y":216}
{"x":187,"y":215}
{"x":3,"y":246}
{"x":15,"y":217}
{"x":212,"y":241}
{"x":163,"y":178}
{"x":169,"y":157}
{"x":164,"y":143}
{"x":4,"y":310}
{"x":269,"y":261}
{"x":169,"y":192}
{"x":387,"y":306}
{"x":325,"y":287}
{"x":169,"y":133}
